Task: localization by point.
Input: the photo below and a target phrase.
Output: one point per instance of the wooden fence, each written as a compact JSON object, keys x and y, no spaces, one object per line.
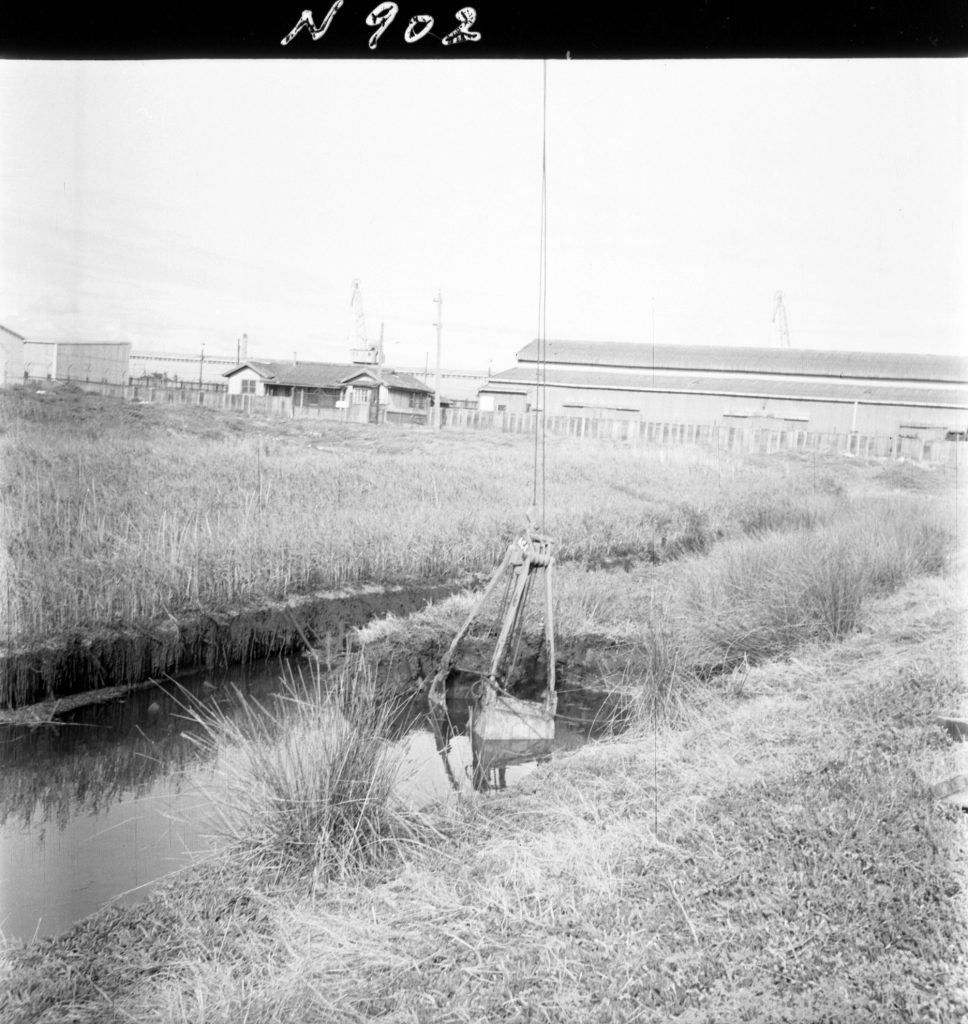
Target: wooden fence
{"x":730,"y":438}
{"x":726,"y":438}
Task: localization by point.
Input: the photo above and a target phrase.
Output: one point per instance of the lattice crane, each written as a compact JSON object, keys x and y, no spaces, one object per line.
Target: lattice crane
{"x":780,"y":319}
{"x":364,"y":351}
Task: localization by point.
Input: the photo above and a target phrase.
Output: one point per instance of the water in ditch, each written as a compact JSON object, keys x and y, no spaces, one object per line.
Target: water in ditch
{"x":102,"y":805}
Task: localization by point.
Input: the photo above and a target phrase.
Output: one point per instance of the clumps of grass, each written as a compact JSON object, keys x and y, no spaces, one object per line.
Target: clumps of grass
{"x":756,"y":598}
{"x":780,"y":862}
{"x":908,"y":476}
{"x":749,"y":599}
{"x":660,"y":668}
{"x":305,"y":789}
{"x":908,"y":538}
{"x":776,"y":866}
{"x":766,"y":505}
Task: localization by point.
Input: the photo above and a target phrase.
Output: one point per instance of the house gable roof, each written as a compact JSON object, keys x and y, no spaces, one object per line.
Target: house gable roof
{"x":264,"y":370}
{"x":329,"y":375}
{"x":404,"y":382}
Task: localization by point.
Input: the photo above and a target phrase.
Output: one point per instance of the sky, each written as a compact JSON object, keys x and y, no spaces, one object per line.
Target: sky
{"x":177,"y":204}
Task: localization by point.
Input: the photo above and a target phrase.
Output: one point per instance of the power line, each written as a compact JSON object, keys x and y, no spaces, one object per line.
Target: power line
{"x":541,"y":369}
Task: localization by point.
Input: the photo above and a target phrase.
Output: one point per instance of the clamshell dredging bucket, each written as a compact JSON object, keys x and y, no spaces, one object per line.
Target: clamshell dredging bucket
{"x":506,"y":731}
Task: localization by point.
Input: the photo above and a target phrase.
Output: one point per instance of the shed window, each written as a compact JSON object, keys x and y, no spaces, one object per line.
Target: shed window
{"x":248,"y":387}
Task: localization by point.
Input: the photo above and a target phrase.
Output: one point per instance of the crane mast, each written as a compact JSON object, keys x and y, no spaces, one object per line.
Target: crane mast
{"x":364,"y":351}
{"x":780,"y":319}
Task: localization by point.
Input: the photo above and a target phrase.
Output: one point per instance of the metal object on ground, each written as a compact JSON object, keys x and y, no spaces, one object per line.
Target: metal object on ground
{"x":957,"y":784}
{"x":954,"y":790}
{"x":957,"y":728}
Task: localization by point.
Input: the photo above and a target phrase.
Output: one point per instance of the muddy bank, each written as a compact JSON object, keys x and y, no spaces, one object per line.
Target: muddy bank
{"x":130,"y":655}
{"x":590,"y":674}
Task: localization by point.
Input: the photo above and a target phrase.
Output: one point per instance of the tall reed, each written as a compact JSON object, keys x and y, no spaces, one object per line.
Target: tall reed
{"x":751,"y":597}
{"x":755,"y":598}
{"x":131,"y":514}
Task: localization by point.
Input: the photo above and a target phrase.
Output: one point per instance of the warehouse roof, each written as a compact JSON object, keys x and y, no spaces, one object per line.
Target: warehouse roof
{"x":705,"y":384}
{"x":901,"y":366}
{"x":329,"y":375}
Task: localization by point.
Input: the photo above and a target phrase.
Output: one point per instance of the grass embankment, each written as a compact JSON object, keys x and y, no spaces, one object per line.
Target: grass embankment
{"x":117,"y":514}
{"x":775,"y":858}
{"x":657,"y":632}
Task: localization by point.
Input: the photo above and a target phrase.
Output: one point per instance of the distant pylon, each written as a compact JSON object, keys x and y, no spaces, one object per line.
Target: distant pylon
{"x":780,"y":319}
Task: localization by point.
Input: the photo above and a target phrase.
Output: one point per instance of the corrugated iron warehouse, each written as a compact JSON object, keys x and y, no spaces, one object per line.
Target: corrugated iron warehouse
{"x":878,"y":394}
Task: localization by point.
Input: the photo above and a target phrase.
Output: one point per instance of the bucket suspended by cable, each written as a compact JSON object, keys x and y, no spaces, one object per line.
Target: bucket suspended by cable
{"x":505,"y":727}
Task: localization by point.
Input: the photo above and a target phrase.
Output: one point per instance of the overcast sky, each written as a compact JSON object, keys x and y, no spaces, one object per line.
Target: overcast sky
{"x":181,"y":203}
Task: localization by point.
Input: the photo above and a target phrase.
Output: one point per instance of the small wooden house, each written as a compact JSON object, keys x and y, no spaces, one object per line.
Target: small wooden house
{"x":368,"y":393}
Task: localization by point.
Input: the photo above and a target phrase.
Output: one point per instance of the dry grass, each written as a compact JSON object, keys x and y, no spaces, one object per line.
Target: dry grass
{"x":116,"y":514}
{"x":305,"y":789}
{"x":779,"y":859}
{"x":757,"y":598}
{"x":773,"y":857}
{"x":750,"y":598}
{"x":753,"y":597}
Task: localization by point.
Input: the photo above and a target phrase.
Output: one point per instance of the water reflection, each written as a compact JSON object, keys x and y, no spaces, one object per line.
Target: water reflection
{"x":491,"y":755}
{"x":103,"y":804}
{"x":103,"y":753}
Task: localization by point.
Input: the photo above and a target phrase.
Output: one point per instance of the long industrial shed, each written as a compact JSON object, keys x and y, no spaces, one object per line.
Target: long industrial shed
{"x":886,"y":394}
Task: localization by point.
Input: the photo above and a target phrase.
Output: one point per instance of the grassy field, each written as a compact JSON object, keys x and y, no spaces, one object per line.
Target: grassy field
{"x":761,"y":845}
{"x":117,"y":514}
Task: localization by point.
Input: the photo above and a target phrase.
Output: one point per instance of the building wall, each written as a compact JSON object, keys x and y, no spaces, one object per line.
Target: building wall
{"x":496,"y":401}
{"x":179,"y":367}
{"x":456,"y":385}
{"x":102,"y":362}
{"x":407,"y":400}
{"x":40,"y":358}
{"x":321,"y":398}
{"x":11,"y":358}
{"x":253,"y":385}
{"x":822,"y":416}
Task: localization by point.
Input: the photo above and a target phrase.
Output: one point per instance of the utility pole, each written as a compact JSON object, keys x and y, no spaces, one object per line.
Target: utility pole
{"x":439,"y":325}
